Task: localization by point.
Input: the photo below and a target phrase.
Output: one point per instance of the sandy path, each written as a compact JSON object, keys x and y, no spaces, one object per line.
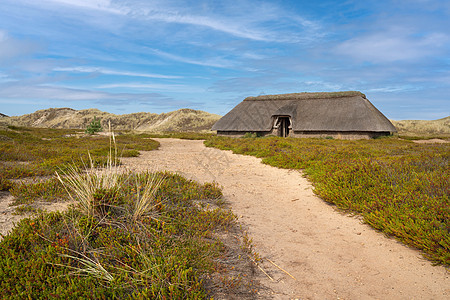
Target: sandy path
{"x":331,"y":255}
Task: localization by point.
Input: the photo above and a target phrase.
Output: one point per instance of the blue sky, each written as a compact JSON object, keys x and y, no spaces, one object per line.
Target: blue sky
{"x":125,"y":56}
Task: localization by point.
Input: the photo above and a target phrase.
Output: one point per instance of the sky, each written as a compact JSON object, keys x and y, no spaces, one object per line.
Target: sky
{"x":126,"y":56}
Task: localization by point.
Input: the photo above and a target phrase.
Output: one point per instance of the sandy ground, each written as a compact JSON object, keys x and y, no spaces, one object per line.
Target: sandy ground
{"x":8,"y":218}
{"x":431,"y":141}
{"x":331,"y":255}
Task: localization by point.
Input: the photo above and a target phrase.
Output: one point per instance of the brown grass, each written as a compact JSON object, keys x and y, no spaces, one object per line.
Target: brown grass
{"x":181,"y":120}
{"x":424,"y":128}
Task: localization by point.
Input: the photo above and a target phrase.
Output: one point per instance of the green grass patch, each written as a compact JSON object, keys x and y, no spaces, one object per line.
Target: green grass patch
{"x":399,"y":187}
{"x":31,"y":152}
{"x":45,"y":190}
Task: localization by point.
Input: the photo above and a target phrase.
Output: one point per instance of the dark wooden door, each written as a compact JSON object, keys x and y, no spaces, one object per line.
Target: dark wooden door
{"x":283,"y":127}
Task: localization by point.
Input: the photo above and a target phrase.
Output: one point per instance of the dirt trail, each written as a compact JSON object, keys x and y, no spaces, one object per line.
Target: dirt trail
{"x":330,"y":254}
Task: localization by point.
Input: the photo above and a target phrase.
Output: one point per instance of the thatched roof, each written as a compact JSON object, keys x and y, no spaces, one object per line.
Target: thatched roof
{"x":339,"y":111}
{"x":302,"y":96}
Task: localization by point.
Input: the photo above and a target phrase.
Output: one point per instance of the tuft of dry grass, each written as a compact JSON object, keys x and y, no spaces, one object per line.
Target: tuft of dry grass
{"x":90,"y":267}
{"x":145,"y":197}
{"x":83,"y":188}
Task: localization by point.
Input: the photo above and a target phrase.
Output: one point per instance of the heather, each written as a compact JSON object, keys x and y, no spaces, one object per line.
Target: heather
{"x":399,"y":187}
{"x":37,"y":152}
{"x":126,"y":235}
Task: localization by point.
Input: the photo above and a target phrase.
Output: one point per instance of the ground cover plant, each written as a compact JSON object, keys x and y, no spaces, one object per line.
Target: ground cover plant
{"x":32,"y":152}
{"x":128,"y":235}
{"x":399,"y":187}
{"x":142,"y":237}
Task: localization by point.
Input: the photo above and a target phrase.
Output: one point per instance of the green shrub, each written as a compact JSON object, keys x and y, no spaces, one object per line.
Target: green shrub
{"x":5,"y":184}
{"x":94,"y":127}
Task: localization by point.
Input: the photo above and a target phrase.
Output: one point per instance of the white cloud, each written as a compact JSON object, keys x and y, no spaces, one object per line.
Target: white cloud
{"x":215,"y":62}
{"x":99,"y":5}
{"x":113,"y":72}
{"x":54,"y":94}
{"x":3,"y":35}
{"x":235,"y":28}
{"x":250,"y":23}
{"x":151,"y":86}
{"x":11,"y":48}
{"x":48,"y":92}
{"x":319,"y":86}
{"x":392,"y":46}
{"x":393,"y":89}
{"x":264,"y":21}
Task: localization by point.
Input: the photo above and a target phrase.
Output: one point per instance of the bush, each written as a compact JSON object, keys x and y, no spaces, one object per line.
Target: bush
{"x":5,"y":184}
{"x":94,"y":127}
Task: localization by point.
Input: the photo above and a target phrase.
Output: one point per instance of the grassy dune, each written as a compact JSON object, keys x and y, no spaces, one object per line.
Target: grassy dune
{"x":181,"y":120}
{"x":423,"y":128}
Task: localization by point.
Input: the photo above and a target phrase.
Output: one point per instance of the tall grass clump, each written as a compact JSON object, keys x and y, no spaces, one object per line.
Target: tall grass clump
{"x":144,"y":201}
{"x":399,"y":187}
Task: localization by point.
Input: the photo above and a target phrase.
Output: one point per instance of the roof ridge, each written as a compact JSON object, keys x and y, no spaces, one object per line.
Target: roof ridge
{"x":304,"y":95}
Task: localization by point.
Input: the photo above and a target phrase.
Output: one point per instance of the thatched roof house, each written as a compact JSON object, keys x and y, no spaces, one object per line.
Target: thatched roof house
{"x":339,"y":115}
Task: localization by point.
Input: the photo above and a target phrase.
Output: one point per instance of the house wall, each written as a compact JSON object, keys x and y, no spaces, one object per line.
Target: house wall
{"x":240,"y":133}
{"x":350,"y":135}
{"x":343,"y":135}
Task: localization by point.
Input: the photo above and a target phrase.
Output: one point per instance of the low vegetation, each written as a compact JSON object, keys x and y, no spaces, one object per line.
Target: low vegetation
{"x":128,"y":236}
{"x":144,"y":237}
{"x":31,"y":152}
{"x":399,"y":187}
